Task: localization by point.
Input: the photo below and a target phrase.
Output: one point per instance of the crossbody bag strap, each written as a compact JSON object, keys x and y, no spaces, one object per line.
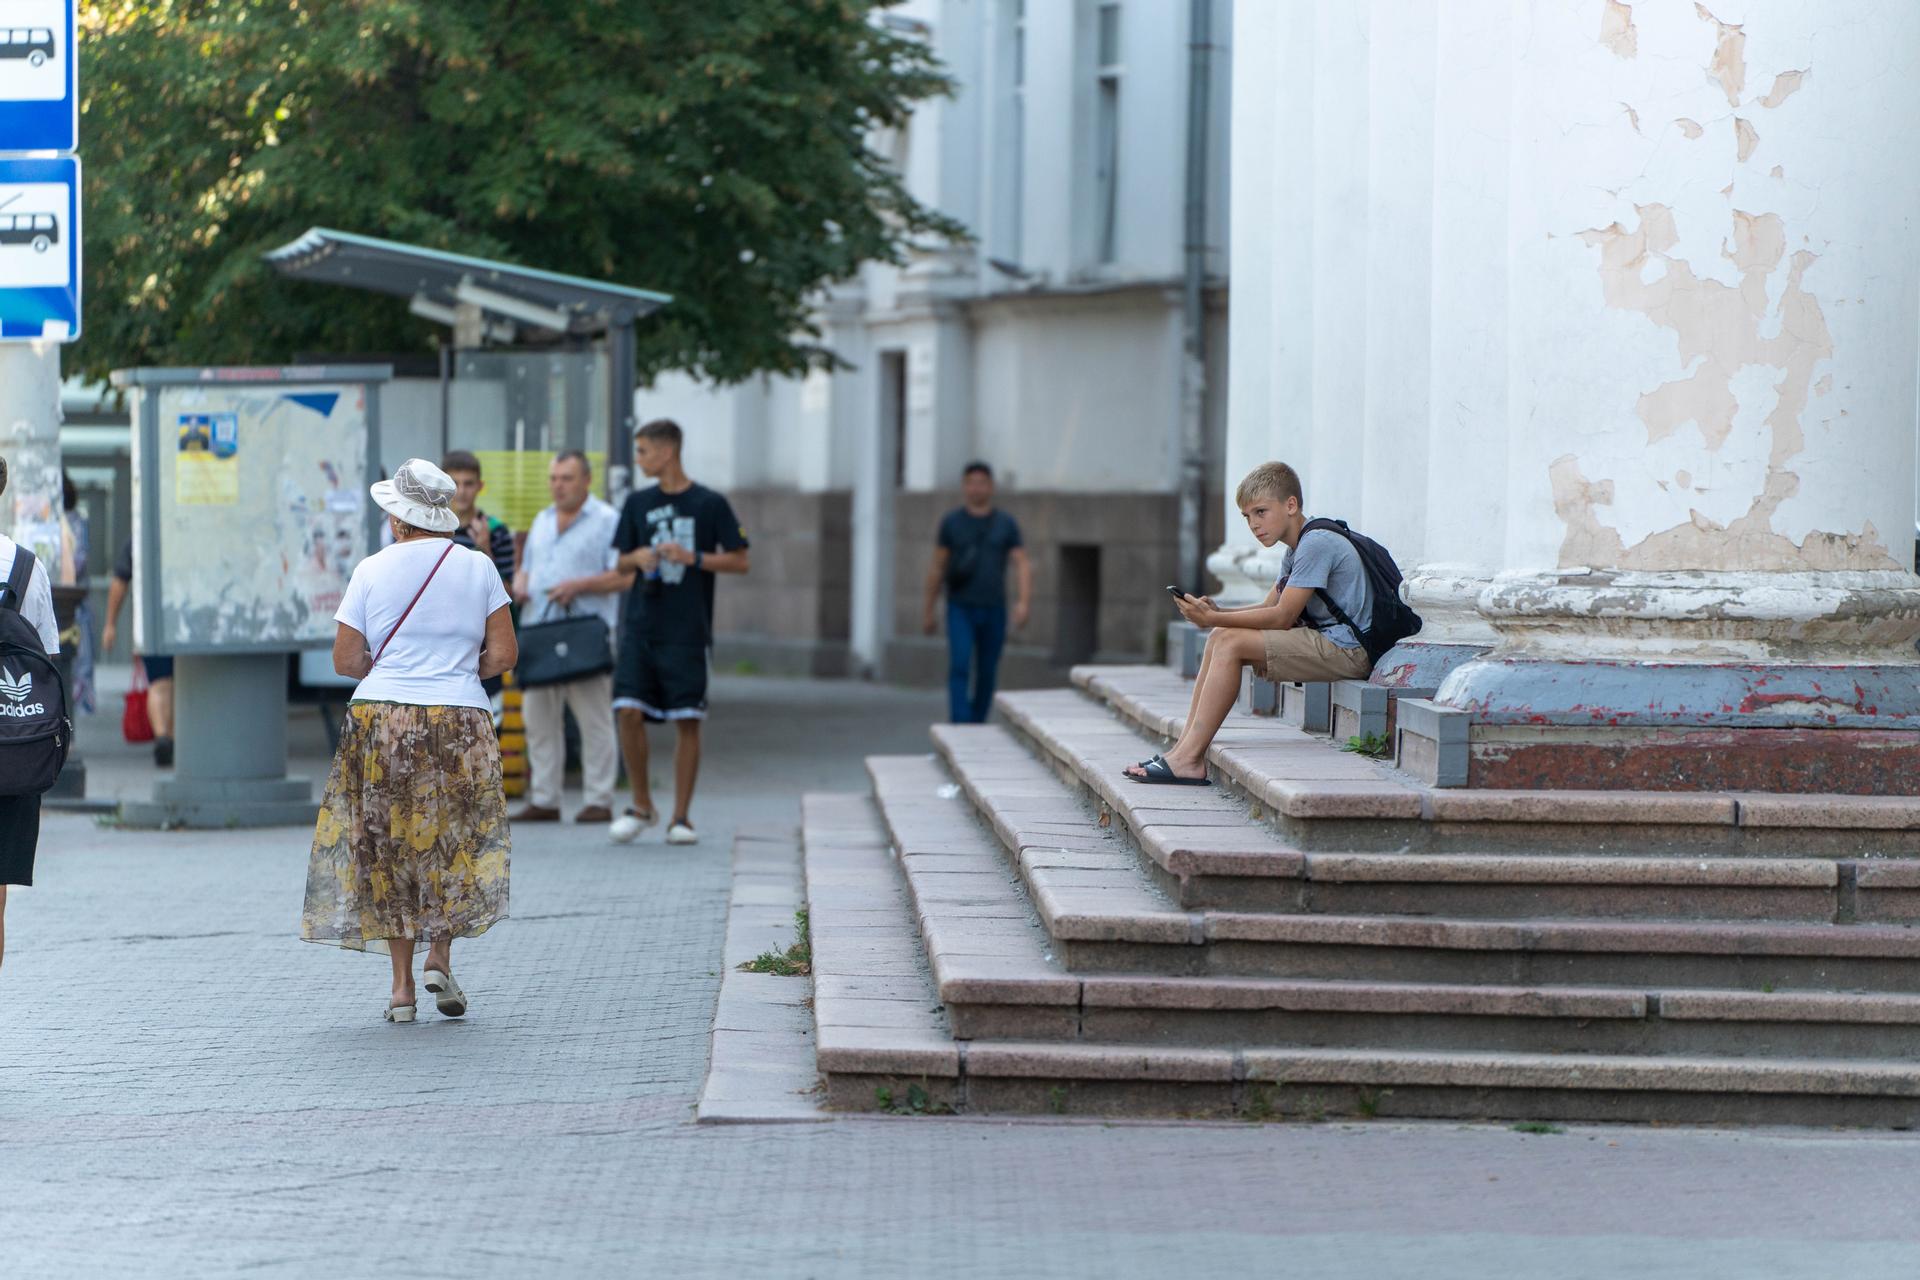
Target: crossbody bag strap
{"x":416,"y":600}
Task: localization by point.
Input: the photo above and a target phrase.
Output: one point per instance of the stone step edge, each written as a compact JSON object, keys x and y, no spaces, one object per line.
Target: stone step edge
{"x":954,"y":743}
{"x":760,"y":1063}
{"x":1172,"y":848}
{"x":841,"y":837}
{"x":1384,"y":1068}
{"x":1813,"y":811}
{"x":1202,"y":926}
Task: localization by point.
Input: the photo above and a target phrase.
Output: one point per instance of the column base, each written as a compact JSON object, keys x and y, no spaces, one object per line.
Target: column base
{"x":1612,"y":725}
{"x":215,"y":804}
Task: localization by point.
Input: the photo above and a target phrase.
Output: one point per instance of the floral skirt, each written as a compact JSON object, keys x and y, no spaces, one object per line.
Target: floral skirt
{"x":412,"y":837}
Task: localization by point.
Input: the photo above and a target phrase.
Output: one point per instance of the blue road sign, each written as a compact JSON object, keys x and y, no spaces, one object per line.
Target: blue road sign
{"x":39,"y":247}
{"x":39,"y":102}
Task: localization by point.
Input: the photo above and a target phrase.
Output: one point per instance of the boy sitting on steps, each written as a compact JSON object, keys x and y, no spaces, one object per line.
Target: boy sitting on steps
{"x":1291,"y":635}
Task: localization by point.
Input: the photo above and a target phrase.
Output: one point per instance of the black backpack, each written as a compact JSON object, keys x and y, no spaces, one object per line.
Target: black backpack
{"x":35,"y":730}
{"x":1392,"y":620}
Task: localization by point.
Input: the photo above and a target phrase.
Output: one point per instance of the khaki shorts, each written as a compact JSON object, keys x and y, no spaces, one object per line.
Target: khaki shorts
{"x":1301,"y":654}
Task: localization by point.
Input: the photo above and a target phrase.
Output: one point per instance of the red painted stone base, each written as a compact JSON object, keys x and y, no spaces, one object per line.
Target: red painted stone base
{"x":1841,"y":761}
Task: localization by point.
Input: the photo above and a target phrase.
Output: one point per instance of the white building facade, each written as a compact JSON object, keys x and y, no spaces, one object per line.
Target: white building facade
{"x":1053,"y":346}
{"x":1606,"y":316}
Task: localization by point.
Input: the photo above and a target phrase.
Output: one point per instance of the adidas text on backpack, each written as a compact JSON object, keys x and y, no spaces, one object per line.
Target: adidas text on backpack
{"x":35,"y":730}
{"x":1392,"y":620}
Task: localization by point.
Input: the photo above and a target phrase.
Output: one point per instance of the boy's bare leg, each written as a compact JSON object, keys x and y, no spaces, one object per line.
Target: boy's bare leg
{"x":1214,"y":698}
{"x":633,"y":747}
{"x":686,"y":767}
{"x":1200,"y":676}
{"x":1207,"y":664}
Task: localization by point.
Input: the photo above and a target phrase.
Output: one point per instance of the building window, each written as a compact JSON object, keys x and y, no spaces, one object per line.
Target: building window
{"x":1106,"y":135}
{"x":1013,"y":142}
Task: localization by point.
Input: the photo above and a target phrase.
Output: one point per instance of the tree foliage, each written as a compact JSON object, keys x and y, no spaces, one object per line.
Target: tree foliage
{"x":711,"y":149}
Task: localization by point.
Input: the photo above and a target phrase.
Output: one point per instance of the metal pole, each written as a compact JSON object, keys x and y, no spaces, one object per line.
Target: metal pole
{"x":1193,"y":318}
{"x":446,"y":397}
{"x":30,"y":442}
{"x":620,"y":423}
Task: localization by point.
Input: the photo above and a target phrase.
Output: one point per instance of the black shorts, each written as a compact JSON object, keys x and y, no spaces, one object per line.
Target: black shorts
{"x":19,"y":836}
{"x":666,"y":681}
{"x":159,"y":665}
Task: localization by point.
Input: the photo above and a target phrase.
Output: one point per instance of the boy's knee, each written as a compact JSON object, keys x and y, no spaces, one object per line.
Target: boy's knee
{"x":630,"y":717}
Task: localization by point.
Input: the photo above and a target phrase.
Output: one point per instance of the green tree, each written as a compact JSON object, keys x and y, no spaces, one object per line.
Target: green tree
{"x":711,"y":149}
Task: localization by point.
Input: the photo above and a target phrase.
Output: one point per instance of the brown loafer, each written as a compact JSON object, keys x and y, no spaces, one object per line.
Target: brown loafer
{"x":534,"y":813}
{"x":594,"y":813}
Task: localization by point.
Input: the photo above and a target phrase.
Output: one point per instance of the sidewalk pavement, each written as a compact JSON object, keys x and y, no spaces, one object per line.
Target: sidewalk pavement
{"x":187,"y":1090}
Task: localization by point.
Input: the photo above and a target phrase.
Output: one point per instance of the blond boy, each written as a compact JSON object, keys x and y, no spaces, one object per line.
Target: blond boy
{"x":1290,"y":635}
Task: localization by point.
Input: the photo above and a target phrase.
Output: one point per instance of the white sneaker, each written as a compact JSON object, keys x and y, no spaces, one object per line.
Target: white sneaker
{"x":682,"y":833}
{"x":627,"y":827}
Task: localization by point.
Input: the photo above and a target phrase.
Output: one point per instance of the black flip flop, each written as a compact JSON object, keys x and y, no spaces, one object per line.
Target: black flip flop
{"x":1160,"y":774}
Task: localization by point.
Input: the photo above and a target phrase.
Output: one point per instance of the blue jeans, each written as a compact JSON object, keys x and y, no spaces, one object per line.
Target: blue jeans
{"x":975,"y":637}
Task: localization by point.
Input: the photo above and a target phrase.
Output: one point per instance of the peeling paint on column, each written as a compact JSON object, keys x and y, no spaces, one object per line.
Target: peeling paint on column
{"x":1785,"y":85}
{"x":1722,"y":333}
{"x":1729,"y":65}
{"x":1616,"y":29}
{"x":1689,"y":127}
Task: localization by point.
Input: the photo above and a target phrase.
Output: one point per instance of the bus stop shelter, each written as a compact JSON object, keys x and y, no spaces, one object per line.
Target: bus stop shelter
{"x":501,"y":309}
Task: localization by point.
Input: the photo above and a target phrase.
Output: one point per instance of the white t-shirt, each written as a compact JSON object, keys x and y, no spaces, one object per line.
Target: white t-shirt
{"x":434,"y":661}
{"x":37,"y":608}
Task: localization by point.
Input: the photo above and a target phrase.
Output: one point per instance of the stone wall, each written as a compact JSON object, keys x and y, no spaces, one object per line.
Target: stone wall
{"x":788,"y":616}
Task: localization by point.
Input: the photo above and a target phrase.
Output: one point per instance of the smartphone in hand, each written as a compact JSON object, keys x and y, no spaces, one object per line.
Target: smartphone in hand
{"x":1176,"y":593}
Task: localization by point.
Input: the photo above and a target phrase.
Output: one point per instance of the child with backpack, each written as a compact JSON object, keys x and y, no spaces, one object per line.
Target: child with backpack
{"x":1333,"y":612}
{"x":35,"y":731}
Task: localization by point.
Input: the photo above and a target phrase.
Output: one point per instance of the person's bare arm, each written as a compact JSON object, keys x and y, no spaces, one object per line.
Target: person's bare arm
{"x":1023,"y":577}
{"x":116,"y":596}
{"x":1278,"y":612}
{"x":350,"y":655}
{"x":500,"y":651}
{"x":936,"y":574}
{"x":712,"y":561}
{"x":564,"y":593}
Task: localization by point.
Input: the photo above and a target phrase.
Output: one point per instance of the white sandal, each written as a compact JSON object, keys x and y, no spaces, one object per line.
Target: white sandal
{"x":448,"y":998}
{"x":400,"y":1013}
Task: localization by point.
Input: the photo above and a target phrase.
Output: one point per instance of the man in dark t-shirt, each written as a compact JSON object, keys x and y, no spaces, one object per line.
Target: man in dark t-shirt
{"x":975,"y":545}
{"x":675,"y":536}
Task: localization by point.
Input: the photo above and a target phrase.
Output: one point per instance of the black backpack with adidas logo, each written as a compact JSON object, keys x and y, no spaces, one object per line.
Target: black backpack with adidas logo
{"x":35,"y":730}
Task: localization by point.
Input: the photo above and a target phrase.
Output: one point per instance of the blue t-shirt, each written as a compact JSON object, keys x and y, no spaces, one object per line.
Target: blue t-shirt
{"x":1328,"y":561}
{"x":977,"y":551}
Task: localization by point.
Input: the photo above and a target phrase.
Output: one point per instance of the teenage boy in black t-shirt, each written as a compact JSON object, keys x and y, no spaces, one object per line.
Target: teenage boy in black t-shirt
{"x":675,"y":536}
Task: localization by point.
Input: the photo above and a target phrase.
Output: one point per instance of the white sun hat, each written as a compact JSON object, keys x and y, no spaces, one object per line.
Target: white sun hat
{"x":420,"y":494}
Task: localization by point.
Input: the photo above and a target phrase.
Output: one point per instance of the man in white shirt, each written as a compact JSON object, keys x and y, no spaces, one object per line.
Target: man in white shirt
{"x":568,"y":566}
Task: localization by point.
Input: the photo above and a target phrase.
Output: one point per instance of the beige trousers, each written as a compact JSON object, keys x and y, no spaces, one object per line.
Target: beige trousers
{"x":544,"y":710}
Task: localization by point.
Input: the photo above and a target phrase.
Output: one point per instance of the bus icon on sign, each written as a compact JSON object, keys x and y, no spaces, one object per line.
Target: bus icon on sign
{"x":32,"y":44}
{"x":41,"y":230}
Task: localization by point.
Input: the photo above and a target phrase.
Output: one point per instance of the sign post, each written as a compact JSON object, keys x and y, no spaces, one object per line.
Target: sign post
{"x":39,"y":269}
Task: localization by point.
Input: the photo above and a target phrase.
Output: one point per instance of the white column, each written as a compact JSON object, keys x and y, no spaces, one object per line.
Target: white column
{"x":1332,"y":226}
{"x":1465,"y":460}
{"x":1715,"y":303}
{"x":30,"y":442}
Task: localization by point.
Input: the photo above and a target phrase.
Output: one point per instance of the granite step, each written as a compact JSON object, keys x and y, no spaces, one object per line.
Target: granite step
{"x":1209,"y":855}
{"x":1116,"y":923}
{"x":1033,"y":815}
{"x":1319,"y":796}
{"x":883,"y":1044}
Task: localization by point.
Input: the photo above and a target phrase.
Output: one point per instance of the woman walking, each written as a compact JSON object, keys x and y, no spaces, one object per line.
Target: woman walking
{"x":412,"y":838}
